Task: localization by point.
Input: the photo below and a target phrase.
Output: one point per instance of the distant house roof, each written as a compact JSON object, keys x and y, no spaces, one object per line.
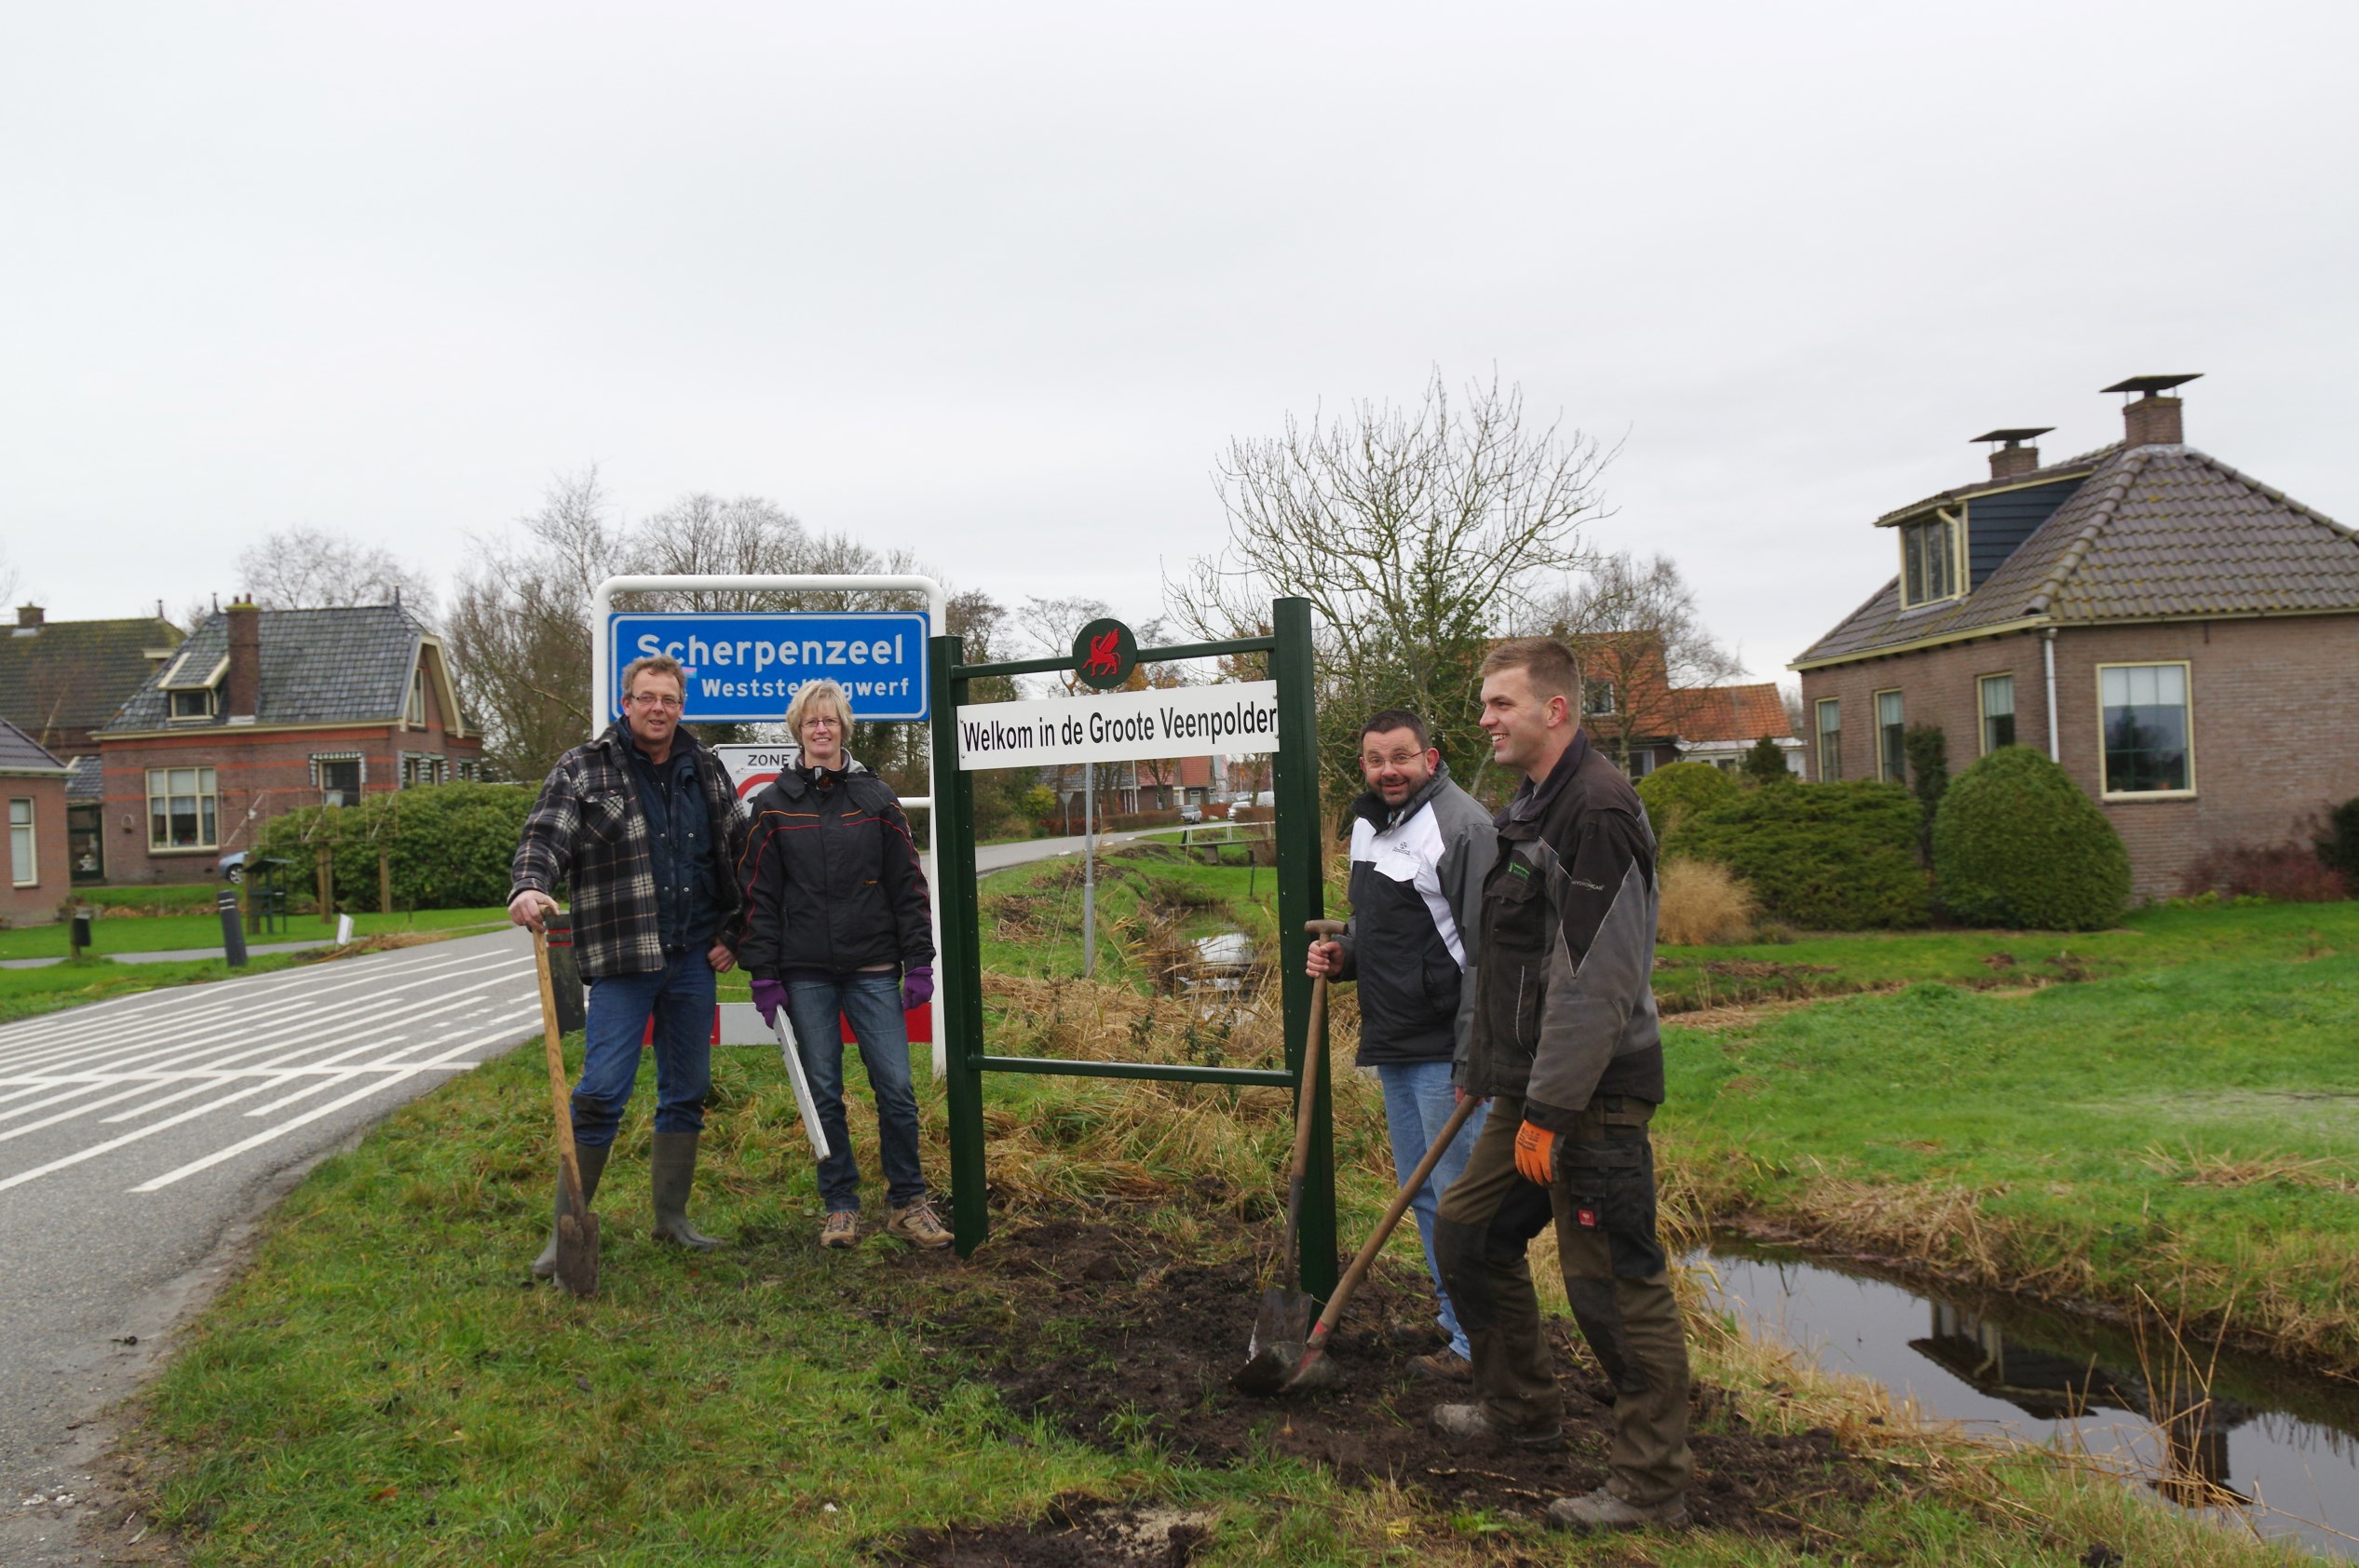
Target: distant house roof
{"x":88,"y":782}
{"x":20,"y":753}
{"x":342,"y":665}
{"x":69,"y":677}
{"x":2153,"y":532}
{"x":1750,"y":712}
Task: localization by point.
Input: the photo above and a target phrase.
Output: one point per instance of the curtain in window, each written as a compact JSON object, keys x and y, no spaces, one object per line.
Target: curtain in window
{"x":1997,"y":711}
{"x":1889,"y":730}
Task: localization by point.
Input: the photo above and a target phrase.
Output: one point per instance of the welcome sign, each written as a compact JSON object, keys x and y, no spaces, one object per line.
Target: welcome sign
{"x":1231,"y":720}
{"x":746,"y":667}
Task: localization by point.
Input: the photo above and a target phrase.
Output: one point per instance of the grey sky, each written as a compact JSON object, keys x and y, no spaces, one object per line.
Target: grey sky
{"x":997,"y":283}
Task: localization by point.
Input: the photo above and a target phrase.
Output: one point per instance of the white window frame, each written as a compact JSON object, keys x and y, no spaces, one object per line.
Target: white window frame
{"x":1589,"y":691}
{"x":171,"y":704}
{"x":1876,"y":702}
{"x":2186,"y":668}
{"x":24,"y":870}
{"x":1982,"y":707}
{"x":414,"y":712}
{"x":1818,"y":735}
{"x":208,"y":788}
{"x":1953,"y":526}
{"x":319,"y":777}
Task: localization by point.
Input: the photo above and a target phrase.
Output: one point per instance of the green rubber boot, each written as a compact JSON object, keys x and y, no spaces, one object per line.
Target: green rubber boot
{"x":674,"y":1172}
{"x":594,"y":1165}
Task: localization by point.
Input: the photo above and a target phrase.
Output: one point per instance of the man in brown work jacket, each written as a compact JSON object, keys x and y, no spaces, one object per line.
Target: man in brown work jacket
{"x":1565,"y":1044}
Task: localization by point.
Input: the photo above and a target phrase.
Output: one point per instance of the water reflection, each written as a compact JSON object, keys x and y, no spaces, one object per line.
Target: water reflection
{"x":2245,"y":1438}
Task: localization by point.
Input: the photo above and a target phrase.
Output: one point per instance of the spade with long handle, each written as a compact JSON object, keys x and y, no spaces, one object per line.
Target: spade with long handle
{"x":577,"y":1226}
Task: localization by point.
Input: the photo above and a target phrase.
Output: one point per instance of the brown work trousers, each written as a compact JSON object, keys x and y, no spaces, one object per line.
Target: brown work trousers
{"x":1603,"y":1204}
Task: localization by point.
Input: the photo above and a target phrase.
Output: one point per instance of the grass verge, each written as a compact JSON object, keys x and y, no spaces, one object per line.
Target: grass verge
{"x":164,"y":932}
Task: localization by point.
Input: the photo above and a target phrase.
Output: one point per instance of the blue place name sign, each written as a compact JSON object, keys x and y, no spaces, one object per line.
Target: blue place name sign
{"x":745,"y":668}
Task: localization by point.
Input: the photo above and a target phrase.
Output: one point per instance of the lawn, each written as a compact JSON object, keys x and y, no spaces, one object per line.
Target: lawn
{"x":163,"y":933}
{"x":376,"y":1387}
{"x":2181,"y":1131}
{"x":26,"y":992}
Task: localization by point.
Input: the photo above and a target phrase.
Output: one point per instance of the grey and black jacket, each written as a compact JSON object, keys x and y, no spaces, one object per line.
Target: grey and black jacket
{"x":588,"y":834}
{"x":1416,"y":894}
{"x":831,"y":877}
{"x":1564,"y":1005}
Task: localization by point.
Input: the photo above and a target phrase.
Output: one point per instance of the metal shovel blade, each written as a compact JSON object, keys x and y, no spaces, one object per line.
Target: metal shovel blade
{"x":578,"y":1253}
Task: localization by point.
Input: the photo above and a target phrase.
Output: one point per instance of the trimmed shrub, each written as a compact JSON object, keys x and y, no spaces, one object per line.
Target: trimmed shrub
{"x":1765,"y":762}
{"x":1823,"y":857}
{"x":1928,"y":752}
{"x":2339,"y":842}
{"x":2017,"y":842}
{"x":1676,"y":794}
{"x":449,"y":845}
{"x":1703,"y":905}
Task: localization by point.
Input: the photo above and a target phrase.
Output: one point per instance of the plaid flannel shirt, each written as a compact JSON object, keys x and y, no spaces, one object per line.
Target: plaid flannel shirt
{"x":587,"y":832}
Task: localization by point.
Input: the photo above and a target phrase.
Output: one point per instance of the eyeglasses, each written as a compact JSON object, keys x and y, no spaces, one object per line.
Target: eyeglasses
{"x":1398,"y":759}
{"x":652,"y":699}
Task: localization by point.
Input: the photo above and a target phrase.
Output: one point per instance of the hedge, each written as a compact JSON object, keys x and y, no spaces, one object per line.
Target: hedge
{"x":1825,"y":857}
{"x":2017,"y":842}
{"x":450,"y":845}
{"x":1675,"y":795}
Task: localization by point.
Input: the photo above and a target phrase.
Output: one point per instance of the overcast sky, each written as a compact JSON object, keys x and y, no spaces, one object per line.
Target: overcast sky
{"x":997,"y":283}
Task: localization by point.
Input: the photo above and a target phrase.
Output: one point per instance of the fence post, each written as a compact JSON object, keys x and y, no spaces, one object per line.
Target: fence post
{"x":327,"y":887}
{"x":961,"y":958}
{"x":1301,"y":898}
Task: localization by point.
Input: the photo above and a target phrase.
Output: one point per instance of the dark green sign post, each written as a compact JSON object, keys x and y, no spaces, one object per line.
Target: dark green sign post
{"x":1098,"y":652}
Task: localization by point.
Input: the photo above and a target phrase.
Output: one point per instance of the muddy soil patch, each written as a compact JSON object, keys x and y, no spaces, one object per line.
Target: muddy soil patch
{"x":1075,"y":1533}
{"x":1117,"y":1337}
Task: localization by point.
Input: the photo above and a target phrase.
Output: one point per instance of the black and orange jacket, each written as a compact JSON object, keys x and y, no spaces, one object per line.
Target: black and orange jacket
{"x":831,"y":877}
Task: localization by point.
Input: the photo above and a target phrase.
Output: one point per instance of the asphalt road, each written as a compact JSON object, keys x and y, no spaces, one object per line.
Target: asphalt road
{"x":137,"y":1134}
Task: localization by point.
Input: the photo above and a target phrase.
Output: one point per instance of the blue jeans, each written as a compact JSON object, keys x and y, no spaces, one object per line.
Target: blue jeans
{"x":1418,"y":1099}
{"x":871,"y":1000}
{"x":679,"y":996}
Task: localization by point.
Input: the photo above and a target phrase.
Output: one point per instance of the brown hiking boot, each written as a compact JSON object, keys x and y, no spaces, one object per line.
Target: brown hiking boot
{"x":1473,"y":1421}
{"x":1602,"y":1510}
{"x":916,"y":1225}
{"x":841,"y":1228}
{"x":1445,"y":1364}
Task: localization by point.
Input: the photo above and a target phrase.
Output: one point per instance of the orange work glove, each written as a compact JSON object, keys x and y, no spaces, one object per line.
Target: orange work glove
{"x":1536,"y":1153}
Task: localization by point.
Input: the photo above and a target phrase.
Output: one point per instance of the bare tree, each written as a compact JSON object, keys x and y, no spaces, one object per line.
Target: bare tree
{"x":8,"y":580}
{"x":310,"y":569}
{"x":1418,"y":535}
{"x":1642,"y":646}
{"x":520,"y":624}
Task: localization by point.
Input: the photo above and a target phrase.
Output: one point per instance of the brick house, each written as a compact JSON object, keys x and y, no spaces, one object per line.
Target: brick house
{"x":32,"y":787}
{"x":264,"y":710}
{"x":60,"y":681}
{"x":2183,"y":639}
{"x":1626,"y":688}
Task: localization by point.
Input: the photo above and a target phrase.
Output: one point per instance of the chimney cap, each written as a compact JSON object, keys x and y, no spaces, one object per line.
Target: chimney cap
{"x":2012,"y":437}
{"x":2152,"y":384}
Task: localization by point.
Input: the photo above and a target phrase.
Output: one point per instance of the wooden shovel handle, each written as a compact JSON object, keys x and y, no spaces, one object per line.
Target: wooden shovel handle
{"x":1401,"y":1202}
{"x":1312,"y":1040}
{"x":560,"y":1094}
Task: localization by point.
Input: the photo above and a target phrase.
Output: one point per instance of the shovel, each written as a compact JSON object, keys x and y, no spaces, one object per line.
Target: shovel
{"x":1285,"y":1316}
{"x":577,"y":1227}
{"x":1313,"y":1370}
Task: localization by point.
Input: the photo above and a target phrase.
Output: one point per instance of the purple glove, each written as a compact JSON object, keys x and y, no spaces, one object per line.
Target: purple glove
{"x":917,"y":987}
{"x":769,"y":995}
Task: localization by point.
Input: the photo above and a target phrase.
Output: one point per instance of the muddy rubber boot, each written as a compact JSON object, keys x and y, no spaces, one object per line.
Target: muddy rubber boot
{"x":1606,"y":1509}
{"x":672,"y":1172}
{"x":594,"y":1165}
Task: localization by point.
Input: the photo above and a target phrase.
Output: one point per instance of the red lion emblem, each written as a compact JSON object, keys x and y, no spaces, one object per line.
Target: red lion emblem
{"x":1106,"y":655}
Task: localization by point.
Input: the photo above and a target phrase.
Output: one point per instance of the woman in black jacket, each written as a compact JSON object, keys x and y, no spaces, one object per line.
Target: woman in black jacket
{"x":837,"y":923}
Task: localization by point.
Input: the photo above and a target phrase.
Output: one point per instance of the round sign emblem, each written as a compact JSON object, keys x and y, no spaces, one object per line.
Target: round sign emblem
{"x":1104,"y":655}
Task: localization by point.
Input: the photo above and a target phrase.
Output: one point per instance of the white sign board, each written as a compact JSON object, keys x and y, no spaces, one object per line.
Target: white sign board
{"x":1233,"y":721}
{"x":752,"y":767}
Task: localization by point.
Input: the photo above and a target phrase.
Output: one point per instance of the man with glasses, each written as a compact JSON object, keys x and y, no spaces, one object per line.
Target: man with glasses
{"x":644,"y":828}
{"x":1420,"y":848}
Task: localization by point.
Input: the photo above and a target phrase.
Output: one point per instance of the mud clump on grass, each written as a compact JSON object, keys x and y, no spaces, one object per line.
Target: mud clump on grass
{"x":1076,"y":1533}
{"x":1116,"y":1337}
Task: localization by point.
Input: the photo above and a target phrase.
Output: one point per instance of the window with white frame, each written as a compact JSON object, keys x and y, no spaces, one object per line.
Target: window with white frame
{"x":339,"y":776}
{"x":196,"y":704}
{"x":1830,"y":711}
{"x":1996,"y":695}
{"x":182,"y":810}
{"x":22,"y":868}
{"x":1929,"y":559}
{"x":423,"y":767}
{"x":417,"y":695}
{"x":1892,"y":750}
{"x":2149,"y":737}
{"x":1597,"y":697}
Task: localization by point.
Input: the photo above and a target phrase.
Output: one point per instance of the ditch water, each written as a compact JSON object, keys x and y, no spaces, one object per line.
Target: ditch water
{"x":2269,"y":1445}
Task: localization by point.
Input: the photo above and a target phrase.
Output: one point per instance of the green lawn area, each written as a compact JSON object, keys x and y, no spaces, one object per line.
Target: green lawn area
{"x":26,"y":992}
{"x":163,"y":933}
{"x":2182,"y":1130}
{"x":377,"y":1389}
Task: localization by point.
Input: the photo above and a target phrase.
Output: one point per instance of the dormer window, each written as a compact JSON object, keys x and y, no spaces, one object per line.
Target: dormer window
{"x":1930,"y":551}
{"x":197,"y":704}
{"x":1597,"y":698}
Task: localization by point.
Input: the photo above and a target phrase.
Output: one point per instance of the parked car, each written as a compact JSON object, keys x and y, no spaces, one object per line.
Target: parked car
{"x":1191,"y":813}
{"x":231,"y":867}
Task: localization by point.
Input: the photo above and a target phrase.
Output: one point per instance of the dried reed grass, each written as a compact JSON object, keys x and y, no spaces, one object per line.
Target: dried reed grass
{"x":1703,"y":905}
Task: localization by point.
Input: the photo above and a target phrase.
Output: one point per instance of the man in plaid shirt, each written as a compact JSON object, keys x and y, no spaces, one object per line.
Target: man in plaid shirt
{"x":643,"y":827}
